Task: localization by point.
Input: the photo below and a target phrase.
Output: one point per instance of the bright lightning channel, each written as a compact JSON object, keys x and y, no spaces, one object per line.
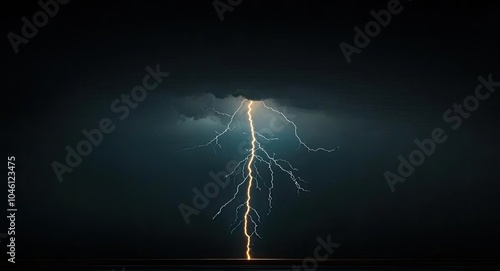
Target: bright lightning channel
{"x":249,"y":167}
{"x":256,"y":154}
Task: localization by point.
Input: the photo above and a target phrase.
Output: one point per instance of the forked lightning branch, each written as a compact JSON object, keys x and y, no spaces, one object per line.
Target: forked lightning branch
{"x":247,"y":217}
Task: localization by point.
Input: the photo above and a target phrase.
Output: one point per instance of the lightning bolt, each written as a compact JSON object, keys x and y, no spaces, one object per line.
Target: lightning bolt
{"x":250,"y":173}
{"x":249,"y":168}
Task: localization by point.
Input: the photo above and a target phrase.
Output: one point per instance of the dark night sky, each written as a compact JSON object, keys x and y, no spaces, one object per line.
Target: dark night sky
{"x":122,"y":201}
